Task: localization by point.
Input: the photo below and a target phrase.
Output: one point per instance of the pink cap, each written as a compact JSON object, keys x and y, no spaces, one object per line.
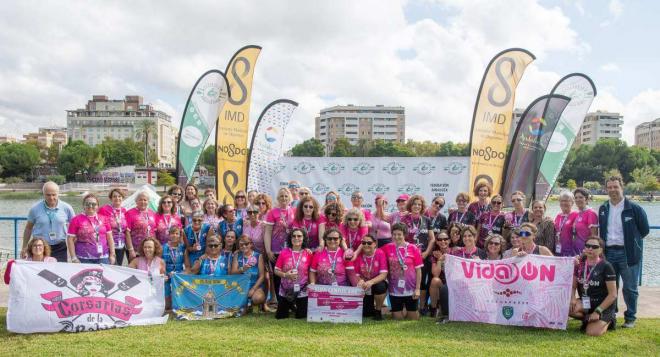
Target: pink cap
{"x":403,"y":197}
{"x":380,"y":197}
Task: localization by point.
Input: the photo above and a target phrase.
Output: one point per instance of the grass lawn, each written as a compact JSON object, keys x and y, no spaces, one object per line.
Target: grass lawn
{"x":263,"y":335}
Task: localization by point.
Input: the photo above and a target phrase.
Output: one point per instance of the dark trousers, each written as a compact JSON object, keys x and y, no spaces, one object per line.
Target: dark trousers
{"x":58,"y":251}
{"x":298,"y":305}
{"x":444,"y":300}
{"x":368,"y":303}
{"x":120,"y":252}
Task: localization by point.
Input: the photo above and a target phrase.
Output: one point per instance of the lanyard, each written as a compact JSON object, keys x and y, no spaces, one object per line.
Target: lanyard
{"x":97,"y":226}
{"x":351,"y":238}
{"x":168,"y":222}
{"x":310,"y":227}
{"x":118,"y":218}
{"x":585,"y":282}
{"x":213,"y":263}
{"x":415,"y":227}
{"x":491,"y":220}
{"x":228,"y":258}
{"x":145,"y":216}
{"x":517,"y":219}
{"x":402,"y":258}
{"x":174,"y":254}
{"x":333,"y":260}
{"x":564,"y":219}
{"x":370,"y":265}
{"x":51,"y":213}
{"x":196,"y":235}
{"x":460,"y":220}
{"x":297,"y":261}
{"x":244,"y":261}
{"x":474,"y":250}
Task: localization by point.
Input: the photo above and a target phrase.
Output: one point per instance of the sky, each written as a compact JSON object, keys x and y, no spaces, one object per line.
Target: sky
{"x":428,"y":56}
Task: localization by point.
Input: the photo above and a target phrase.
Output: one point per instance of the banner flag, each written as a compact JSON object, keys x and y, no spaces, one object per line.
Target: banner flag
{"x":231,"y":138}
{"x":581,"y":90}
{"x":267,"y":141}
{"x":533,"y":290}
{"x":492,"y":116}
{"x":206,"y":99}
{"x":67,"y":297}
{"x":338,"y":304}
{"x":529,"y":143}
{"x":205,"y":297}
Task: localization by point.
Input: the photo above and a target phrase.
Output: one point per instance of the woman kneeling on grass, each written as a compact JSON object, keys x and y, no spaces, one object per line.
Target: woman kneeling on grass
{"x":595,"y":282}
{"x":292,"y":268}
{"x":212,"y":262}
{"x":405,"y":266}
{"x":369,"y":271}
{"x":250,"y":262}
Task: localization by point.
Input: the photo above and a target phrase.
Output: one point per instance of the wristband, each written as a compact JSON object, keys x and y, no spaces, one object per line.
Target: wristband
{"x":599,"y":310}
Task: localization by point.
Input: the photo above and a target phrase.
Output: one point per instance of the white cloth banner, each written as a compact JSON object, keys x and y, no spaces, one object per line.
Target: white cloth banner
{"x":338,"y":304}
{"x":524,"y":291}
{"x":65,"y":297}
{"x":390,"y":176}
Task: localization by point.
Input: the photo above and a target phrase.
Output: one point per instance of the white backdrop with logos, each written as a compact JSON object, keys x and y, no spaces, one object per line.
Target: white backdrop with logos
{"x":390,"y":176}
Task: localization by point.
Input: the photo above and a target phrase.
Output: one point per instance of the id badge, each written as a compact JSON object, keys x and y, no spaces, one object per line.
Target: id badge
{"x":52,"y":235}
{"x":558,"y":248}
{"x":368,"y":292}
{"x":586,"y":303}
{"x":401,"y":284}
{"x":296,"y":288}
{"x":99,"y":248}
{"x":335,"y":284}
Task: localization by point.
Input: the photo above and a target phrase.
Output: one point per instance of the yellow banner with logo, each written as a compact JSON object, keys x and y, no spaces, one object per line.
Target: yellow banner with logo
{"x":231,"y":141}
{"x":492,"y":117}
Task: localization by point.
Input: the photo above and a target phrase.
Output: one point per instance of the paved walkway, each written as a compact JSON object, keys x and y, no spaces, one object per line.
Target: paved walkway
{"x":648,"y":305}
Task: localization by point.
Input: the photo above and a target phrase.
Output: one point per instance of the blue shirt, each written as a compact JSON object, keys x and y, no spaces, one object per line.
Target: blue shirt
{"x":173,"y":258}
{"x":224,"y":227}
{"x":48,"y":220}
{"x":192,"y":239}
{"x":253,"y":271}
{"x":217,"y":267}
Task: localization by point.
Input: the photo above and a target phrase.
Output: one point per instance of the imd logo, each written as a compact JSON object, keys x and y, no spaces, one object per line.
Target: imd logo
{"x":424,"y":168}
{"x":363,"y":168}
{"x":409,"y":188}
{"x":394,"y":168}
{"x":333,"y":168}
{"x":303,"y":167}
{"x":347,"y":189}
{"x":378,"y":188}
{"x":455,"y":168}
{"x":320,"y":189}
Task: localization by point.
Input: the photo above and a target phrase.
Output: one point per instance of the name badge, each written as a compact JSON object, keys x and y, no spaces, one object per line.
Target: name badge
{"x":558,"y":248}
{"x":52,"y":235}
{"x":586,"y":303}
{"x":401,"y":284}
{"x":335,"y":284}
{"x":296,"y":288}
{"x":99,"y":249}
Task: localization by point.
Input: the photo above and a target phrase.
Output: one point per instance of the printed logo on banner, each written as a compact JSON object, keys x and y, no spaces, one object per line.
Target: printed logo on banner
{"x":409,"y":188}
{"x":378,"y":188}
{"x":455,"y":168}
{"x":424,"y":168}
{"x":210,"y":93}
{"x":394,"y":168}
{"x":536,"y":126}
{"x":333,"y":168}
{"x":363,"y":168}
{"x":271,"y":133}
{"x":507,"y":312}
{"x":279,"y":168}
{"x":303,"y":167}
{"x":347,"y":189}
{"x":93,"y":298}
{"x":320,"y":188}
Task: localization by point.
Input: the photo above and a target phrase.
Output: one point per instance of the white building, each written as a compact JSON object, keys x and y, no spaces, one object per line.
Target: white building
{"x":599,"y":125}
{"x":360,"y":122}
{"x":648,"y":135}
{"x":117,"y":118}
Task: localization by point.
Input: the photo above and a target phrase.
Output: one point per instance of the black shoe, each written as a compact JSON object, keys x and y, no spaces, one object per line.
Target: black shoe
{"x":433,"y":313}
{"x":612,"y":326}
{"x":378,"y":316}
{"x":424,"y":312}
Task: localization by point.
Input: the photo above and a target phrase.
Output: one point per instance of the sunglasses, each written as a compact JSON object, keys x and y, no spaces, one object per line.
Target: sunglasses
{"x":331,"y":198}
{"x":356,"y":197}
{"x":214,"y":245}
{"x":366,"y":242}
{"x":197,"y":220}
{"x":494,"y":243}
{"x":524,"y":233}
{"x":352,"y":219}
{"x":237,"y":197}
{"x":439,"y":204}
{"x":304,"y":193}
{"x":592,"y":246}
{"x":332,"y":214}
{"x":167,"y":202}
{"x":496,"y":202}
{"x":332,"y":238}
{"x":308,"y":206}
{"x":243,"y":244}
{"x":442,"y":239}
{"x":252,"y":212}
{"x":517,"y":200}
{"x":261,"y":203}
{"x":91,"y":204}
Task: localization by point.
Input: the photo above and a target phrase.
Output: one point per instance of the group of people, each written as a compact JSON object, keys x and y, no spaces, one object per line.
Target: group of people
{"x":293,"y":241}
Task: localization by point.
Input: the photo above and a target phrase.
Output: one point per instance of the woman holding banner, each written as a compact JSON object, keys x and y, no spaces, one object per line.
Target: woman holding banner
{"x":405,"y":264}
{"x":439,"y":282}
{"x":196,"y":236}
{"x":116,"y":216}
{"x":462,"y":215}
{"x":307,"y":217}
{"x":564,"y":226}
{"x":469,"y":250}
{"x":140,"y":224}
{"x":213,"y":262}
{"x":38,"y":250}
{"x":329,"y":266}
{"x":368,"y":272}
{"x":89,"y":236}
{"x":494,"y":247}
{"x":250,"y":262}
{"x":482,"y":191}
{"x":527,"y":233}
{"x":491,"y":222}
{"x":229,"y":247}
{"x":165,"y":219}
{"x":292,"y":268}
{"x":174,"y":256}
{"x":545,"y":234}
{"x":353,"y":228}
{"x":595,"y":283}
{"x":149,"y":258}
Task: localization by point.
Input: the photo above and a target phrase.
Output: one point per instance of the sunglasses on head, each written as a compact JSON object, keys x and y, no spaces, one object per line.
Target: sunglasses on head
{"x":592,"y":246}
{"x":367,"y":242}
{"x":496,"y":202}
{"x":332,"y":238}
{"x":331,"y":198}
{"x":524,"y":234}
{"x":214,"y":245}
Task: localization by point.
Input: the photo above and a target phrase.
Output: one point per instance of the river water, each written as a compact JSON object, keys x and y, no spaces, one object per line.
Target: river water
{"x":650,"y":269}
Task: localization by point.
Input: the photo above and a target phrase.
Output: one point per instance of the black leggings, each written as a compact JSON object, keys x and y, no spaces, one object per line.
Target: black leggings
{"x":426,"y":274}
{"x":444,"y":300}
{"x":119,"y":256}
{"x":368,"y":303}
{"x":299,"y":305}
{"x":276,"y":279}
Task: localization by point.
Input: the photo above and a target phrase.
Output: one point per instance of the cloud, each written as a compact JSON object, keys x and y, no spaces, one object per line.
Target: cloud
{"x":615,"y":7}
{"x":610,"y":67}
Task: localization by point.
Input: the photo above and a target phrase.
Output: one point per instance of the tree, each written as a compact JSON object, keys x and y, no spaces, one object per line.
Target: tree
{"x":343,"y":148}
{"x":571,"y":185}
{"x":145,"y":132}
{"x":79,"y":157}
{"x":610,"y":173}
{"x":12,"y":181}
{"x":592,"y":185}
{"x":165,"y":179}
{"x":646,"y":178}
{"x":362,"y":148}
{"x":18,"y":159}
{"x":121,"y":152}
{"x":383,"y":148}
{"x":52,"y":154}
{"x":209,"y":156}
{"x":309,"y":148}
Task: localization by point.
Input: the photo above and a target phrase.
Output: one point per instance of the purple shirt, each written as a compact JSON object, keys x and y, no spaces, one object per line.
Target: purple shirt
{"x":91,"y":236}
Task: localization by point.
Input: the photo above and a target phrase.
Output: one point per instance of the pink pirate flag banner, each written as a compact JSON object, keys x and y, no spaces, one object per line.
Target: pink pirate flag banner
{"x":338,"y":304}
{"x":61,"y":297}
{"x":524,"y":291}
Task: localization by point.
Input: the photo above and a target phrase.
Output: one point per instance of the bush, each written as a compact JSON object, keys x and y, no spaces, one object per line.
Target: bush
{"x":58,"y":179}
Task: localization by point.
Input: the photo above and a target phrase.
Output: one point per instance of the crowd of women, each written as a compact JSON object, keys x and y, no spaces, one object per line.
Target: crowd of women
{"x":292,"y":241}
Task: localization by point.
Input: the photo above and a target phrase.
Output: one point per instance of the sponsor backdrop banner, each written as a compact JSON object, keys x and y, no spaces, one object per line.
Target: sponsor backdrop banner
{"x":390,"y":176}
{"x":530,"y":291}
{"x":205,"y":297}
{"x":208,"y":96}
{"x":492,"y":116}
{"x":63,"y":297}
{"x":529,"y":143}
{"x":581,"y":90}
{"x":267,"y":140}
{"x":339,"y":304}
{"x":233,"y":124}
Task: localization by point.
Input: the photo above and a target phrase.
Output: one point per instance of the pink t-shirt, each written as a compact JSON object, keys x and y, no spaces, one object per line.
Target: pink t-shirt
{"x":380,"y":228}
{"x":117,"y":220}
{"x":396,"y":217}
{"x":367,"y":214}
{"x":281,"y":220}
{"x":586,"y":220}
{"x":368,"y":268}
{"x":323,"y":264}
{"x":141,"y":224}
{"x":353,"y":238}
{"x":163,"y":224}
{"x":300,"y":261}
{"x":255,"y":233}
{"x":564,"y":226}
{"x":312,"y":229}
{"x":90,"y":233}
{"x":411,"y":258}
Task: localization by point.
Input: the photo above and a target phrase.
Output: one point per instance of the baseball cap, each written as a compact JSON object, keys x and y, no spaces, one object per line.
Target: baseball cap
{"x":403,"y":197}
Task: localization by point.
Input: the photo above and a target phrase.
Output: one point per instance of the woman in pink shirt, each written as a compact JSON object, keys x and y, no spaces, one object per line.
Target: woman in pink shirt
{"x":90,"y":236}
{"x":115,"y":214}
{"x":165,"y":219}
{"x":564,"y":226}
{"x":140,"y":224}
{"x":149,"y":260}
{"x":586,"y":223}
{"x":332,"y":216}
{"x":276,"y":229}
{"x":405,"y":264}
{"x":353,"y":229}
{"x":380,"y":222}
{"x":37,"y":251}
{"x":329,"y":266}
{"x":369,"y":271}
{"x":292,"y":268}
{"x":254,"y":229}
{"x":307,"y":217}
{"x":211,"y":217}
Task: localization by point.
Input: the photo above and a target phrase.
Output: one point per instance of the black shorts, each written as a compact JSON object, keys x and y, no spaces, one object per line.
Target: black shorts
{"x":608,"y":315}
{"x":398,"y":302}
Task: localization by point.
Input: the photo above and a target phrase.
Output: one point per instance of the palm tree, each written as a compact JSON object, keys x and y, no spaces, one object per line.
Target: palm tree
{"x":145,"y":130}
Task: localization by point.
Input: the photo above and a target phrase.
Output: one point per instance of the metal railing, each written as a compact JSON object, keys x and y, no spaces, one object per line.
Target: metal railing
{"x":15,"y":220}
